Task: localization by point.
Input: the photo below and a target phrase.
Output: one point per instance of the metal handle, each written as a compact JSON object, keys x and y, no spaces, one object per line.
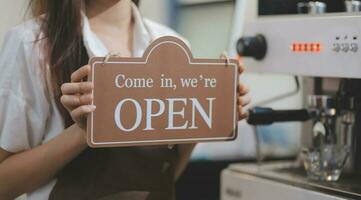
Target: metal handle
{"x":266,"y":116}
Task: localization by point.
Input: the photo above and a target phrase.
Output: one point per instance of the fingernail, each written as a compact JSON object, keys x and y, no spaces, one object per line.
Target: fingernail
{"x":93,"y":107}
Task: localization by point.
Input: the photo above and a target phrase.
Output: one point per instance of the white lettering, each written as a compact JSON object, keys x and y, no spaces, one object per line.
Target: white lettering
{"x":189,"y":82}
{"x":210,"y":82}
{"x":197,"y":106}
{"x":138,"y":115}
{"x":121,"y":81}
{"x":117,"y":81}
{"x":172,"y":113}
{"x":150,"y":113}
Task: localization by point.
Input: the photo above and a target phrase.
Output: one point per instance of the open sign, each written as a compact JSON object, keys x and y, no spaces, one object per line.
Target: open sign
{"x":150,"y":114}
{"x":164,"y":97}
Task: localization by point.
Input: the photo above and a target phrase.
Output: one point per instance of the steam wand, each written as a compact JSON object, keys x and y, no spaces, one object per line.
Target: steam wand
{"x":267,"y":116}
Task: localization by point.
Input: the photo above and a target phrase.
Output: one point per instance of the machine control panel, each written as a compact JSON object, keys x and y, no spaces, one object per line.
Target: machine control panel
{"x":345,"y":44}
{"x":324,"y":45}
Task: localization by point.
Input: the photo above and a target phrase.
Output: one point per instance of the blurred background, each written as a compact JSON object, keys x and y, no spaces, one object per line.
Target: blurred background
{"x":210,"y":27}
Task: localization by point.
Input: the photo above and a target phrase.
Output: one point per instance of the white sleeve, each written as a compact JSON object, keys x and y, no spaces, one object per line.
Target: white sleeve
{"x":24,"y":106}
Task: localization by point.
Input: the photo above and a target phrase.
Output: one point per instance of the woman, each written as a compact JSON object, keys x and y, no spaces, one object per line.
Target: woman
{"x":43,"y":103}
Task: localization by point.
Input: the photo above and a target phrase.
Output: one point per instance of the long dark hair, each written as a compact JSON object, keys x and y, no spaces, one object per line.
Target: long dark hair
{"x":61,"y":25}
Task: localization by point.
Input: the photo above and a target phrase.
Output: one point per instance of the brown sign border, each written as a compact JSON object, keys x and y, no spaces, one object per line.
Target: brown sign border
{"x":99,"y":62}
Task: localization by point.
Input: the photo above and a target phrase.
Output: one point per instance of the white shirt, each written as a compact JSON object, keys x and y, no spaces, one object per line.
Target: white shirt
{"x":29,"y":116}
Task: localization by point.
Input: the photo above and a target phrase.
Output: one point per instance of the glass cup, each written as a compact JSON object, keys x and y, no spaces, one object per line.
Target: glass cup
{"x":326,"y":162}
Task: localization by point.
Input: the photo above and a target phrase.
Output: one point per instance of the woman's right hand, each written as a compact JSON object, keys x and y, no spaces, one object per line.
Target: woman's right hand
{"x":77,"y":96}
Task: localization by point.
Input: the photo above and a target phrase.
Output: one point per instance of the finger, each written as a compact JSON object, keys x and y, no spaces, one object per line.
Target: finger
{"x":86,"y":99}
{"x":81,"y":111}
{"x":241,"y":113}
{"x":243,"y":100}
{"x":81,"y":73}
{"x":240,"y":67}
{"x":242,"y":89}
{"x":74,"y":88}
{"x":70,"y":101}
{"x":244,"y":116}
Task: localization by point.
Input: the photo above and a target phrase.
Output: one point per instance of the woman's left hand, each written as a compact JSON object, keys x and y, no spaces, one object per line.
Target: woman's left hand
{"x":243,"y":97}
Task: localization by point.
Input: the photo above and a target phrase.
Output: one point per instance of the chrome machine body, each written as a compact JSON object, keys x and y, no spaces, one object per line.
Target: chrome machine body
{"x":310,"y":45}
{"x":316,"y":45}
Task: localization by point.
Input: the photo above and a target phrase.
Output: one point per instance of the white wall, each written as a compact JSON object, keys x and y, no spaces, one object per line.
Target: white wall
{"x":157,"y":10}
{"x":12,"y":12}
{"x":207,"y":28}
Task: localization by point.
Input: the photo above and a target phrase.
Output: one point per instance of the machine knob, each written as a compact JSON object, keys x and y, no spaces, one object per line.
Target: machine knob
{"x":353,"y":47}
{"x":345,"y":47}
{"x":255,"y":47}
{"x":336,"y":47}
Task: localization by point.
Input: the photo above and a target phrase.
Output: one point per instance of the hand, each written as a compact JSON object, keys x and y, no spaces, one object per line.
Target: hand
{"x":77,"y":96}
{"x":243,"y":99}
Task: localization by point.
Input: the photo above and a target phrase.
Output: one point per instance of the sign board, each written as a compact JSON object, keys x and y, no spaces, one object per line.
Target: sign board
{"x":164,"y":97}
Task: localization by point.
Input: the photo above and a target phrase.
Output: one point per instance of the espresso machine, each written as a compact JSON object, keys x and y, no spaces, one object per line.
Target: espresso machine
{"x":321,"y":46}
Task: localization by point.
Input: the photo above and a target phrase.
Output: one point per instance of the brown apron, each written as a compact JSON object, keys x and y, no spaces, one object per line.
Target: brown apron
{"x":129,"y":173}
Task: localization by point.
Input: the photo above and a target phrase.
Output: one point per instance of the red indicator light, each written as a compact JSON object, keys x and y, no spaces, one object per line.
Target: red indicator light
{"x":312,"y":47}
{"x":318,"y":47}
{"x":305,"y":47}
{"x":299,"y":47}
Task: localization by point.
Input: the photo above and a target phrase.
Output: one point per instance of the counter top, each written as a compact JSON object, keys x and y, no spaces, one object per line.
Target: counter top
{"x":348,"y":186}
